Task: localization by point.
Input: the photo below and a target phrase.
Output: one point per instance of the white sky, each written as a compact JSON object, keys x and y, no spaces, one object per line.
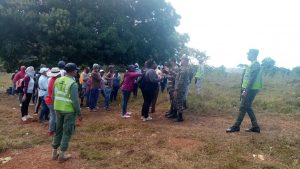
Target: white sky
{"x":226,"y":29}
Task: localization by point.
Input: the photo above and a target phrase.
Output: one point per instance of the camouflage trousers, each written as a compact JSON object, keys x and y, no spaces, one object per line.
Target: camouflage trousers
{"x":65,"y":127}
{"x":172,"y":99}
{"x":179,"y":101}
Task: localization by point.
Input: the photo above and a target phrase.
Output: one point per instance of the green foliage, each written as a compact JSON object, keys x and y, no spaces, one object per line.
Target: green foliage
{"x":296,"y":70}
{"x":84,"y":32}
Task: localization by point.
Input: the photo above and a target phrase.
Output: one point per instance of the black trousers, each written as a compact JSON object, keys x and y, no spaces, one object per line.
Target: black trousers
{"x":246,"y":107}
{"x":148,"y":96}
{"x":114,"y":93}
{"x":25,"y":104}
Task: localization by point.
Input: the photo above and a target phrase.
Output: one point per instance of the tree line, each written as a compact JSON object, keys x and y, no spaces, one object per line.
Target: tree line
{"x":88,"y":31}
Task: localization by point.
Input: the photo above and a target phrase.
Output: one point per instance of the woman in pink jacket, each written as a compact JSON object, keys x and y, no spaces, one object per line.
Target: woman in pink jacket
{"x":127,"y":87}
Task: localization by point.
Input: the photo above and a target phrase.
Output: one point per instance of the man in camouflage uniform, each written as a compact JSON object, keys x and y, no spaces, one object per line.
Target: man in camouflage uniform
{"x":171,"y":76}
{"x":181,"y":87}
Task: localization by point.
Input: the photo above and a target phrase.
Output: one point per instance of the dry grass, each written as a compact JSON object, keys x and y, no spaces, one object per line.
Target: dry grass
{"x":104,"y":140}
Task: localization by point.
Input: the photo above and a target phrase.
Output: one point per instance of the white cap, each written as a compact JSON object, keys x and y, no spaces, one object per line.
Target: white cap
{"x":44,"y":69}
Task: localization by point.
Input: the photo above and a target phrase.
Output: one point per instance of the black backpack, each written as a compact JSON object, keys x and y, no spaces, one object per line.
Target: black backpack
{"x":142,"y":81}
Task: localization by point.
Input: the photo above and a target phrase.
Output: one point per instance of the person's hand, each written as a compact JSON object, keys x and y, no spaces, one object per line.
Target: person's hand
{"x":175,"y":93}
{"x":24,"y":98}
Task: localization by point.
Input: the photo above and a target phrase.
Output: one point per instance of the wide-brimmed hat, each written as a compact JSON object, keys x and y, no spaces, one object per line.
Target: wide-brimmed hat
{"x":44,"y":69}
{"x":54,"y":72}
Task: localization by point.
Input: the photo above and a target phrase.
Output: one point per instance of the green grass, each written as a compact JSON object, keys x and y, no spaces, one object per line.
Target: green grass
{"x":106,"y":140}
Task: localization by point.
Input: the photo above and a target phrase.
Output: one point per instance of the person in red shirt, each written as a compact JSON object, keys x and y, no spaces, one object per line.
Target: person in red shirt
{"x":127,"y":87}
{"x":17,"y":82}
{"x":53,"y":74}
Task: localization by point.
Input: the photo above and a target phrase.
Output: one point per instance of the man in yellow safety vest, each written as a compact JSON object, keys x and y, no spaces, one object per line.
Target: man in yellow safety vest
{"x":251,"y":84}
{"x":67,"y":108}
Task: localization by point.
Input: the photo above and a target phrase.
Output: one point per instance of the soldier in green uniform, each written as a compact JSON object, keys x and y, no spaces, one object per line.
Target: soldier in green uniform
{"x":171,"y":76}
{"x":67,"y":108}
{"x":251,"y":84}
{"x":181,"y":87}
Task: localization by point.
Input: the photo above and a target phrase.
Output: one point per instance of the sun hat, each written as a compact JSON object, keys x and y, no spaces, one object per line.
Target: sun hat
{"x":54,"y":72}
{"x":43,"y":70}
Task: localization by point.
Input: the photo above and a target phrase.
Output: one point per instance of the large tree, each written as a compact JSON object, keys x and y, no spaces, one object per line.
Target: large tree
{"x":87,"y":31}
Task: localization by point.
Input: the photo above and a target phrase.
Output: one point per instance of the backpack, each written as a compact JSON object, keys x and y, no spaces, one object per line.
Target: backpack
{"x":142,"y":81}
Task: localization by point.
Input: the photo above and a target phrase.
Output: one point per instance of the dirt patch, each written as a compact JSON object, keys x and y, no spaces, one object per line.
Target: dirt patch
{"x":38,"y":157}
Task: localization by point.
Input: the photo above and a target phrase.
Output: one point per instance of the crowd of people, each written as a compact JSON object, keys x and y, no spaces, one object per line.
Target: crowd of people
{"x":62,"y":91}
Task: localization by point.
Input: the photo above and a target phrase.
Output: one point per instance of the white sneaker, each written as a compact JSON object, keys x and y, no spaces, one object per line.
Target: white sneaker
{"x":20,"y":105}
{"x":125,"y":116}
{"x":128,"y":113}
{"x":29,"y":117}
{"x":147,"y":119}
{"x":24,"y":118}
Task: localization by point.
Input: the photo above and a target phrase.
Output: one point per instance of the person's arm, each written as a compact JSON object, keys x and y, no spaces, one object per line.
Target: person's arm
{"x":75,"y":98}
{"x":16,"y":78}
{"x":108,"y":77}
{"x":254,"y":70}
{"x":26,"y":83}
{"x":136,"y":74}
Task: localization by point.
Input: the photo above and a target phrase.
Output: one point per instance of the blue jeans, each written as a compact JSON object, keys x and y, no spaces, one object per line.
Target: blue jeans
{"x":107,"y":92}
{"x":126,"y":96}
{"x":52,"y":121}
{"x":44,"y":115}
{"x":13,"y":90}
{"x":94,"y":95}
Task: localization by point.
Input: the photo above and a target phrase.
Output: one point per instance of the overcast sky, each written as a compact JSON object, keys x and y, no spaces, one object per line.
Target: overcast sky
{"x":226,"y":29}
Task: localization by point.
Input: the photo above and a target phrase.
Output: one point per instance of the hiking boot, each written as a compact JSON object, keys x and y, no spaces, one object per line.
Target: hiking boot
{"x":179,"y":118}
{"x":54,"y":154}
{"x":63,"y":157}
{"x":253,"y":129}
{"x":233,"y":129}
{"x":167,"y":113}
{"x":172,"y":116}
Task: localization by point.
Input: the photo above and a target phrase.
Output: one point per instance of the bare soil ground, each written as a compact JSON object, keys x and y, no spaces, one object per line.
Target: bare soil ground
{"x":104,"y":140}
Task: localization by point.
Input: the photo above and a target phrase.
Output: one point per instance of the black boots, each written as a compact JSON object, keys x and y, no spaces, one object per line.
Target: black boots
{"x":233,"y":129}
{"x":179,"y":118}
{"x":173,"y":115}
{"x":253,"y":129}
{"x":237,"y":129}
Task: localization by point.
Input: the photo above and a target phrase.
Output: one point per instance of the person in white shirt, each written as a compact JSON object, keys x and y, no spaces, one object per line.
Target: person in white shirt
{"x":28,"y":90}
{"x":42,"y":92}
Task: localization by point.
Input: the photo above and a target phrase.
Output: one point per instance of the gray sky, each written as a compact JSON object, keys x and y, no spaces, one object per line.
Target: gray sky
{"x":226,"y":29}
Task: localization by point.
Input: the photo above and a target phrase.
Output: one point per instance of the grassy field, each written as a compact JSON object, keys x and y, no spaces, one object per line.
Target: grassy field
{"x":104,"y":140}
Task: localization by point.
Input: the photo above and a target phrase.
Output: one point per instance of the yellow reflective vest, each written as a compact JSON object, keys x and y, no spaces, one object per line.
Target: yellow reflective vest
{"x":258,"y":83}
{"x":62,"y":98}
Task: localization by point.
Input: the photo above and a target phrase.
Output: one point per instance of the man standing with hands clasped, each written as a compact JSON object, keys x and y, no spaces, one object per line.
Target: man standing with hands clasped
{"x":251,"y":84}
{"x":181,"y":87}
{"x":67,"y":107}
